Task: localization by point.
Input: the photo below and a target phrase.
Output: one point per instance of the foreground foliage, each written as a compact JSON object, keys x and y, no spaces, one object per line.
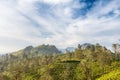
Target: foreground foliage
{"x":114,"y":75}
{"x":93,"y":62}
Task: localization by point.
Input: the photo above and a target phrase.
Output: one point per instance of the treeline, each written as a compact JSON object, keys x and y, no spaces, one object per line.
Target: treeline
{"x":90,"y":62}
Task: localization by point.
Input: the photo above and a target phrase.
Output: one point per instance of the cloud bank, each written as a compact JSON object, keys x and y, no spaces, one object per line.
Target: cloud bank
{"x":60,"y":22}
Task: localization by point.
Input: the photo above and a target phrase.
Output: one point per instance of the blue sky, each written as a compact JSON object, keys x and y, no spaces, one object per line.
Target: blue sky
{"x":63,"y":23}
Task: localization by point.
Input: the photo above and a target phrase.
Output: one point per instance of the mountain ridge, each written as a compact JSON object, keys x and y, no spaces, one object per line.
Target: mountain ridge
{"x":38,"y":50}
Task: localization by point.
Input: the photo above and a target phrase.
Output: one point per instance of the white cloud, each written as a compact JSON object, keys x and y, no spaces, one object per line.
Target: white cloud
{"x":22,"y":24}
{"x":56,"y":1}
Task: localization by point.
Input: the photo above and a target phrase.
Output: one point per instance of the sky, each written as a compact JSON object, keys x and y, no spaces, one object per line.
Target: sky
{"x":63,"y":23}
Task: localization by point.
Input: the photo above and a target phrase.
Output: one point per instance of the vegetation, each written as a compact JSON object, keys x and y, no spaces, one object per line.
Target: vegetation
{"x":46,"y":62}
{"x":114,"y":75}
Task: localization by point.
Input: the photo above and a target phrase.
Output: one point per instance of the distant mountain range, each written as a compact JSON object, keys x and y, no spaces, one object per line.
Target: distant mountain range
{"x":86,"y":45}
{"x":37,"y":51}
{"x":71,"y":49}
{"x":47,"y":50}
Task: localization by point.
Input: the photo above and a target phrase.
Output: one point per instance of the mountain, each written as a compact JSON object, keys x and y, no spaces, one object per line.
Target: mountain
{"x":45,"y":49}
{"x":23,"y":51}
{"x":86,"y":45}
{"x":37,"y":51}
{"x":71,"y":49}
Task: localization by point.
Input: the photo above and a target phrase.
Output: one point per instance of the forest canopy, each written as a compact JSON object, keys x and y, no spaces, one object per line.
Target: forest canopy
{"x":46,"y":62}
